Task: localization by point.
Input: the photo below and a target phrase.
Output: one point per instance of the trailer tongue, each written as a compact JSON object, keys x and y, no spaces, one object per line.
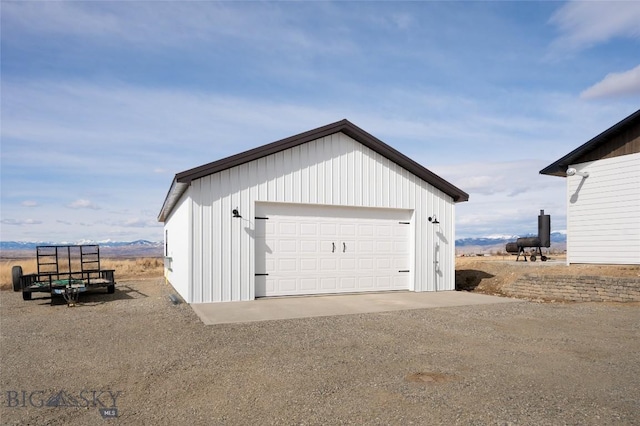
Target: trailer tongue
{"x":66,"y":271}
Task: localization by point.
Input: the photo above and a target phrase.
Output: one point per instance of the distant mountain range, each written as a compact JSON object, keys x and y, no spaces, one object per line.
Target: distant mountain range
{"x":156,"y":246}
{"x":30,"y":245}
{"x":556,"y":237}
{"x":117,"y":249}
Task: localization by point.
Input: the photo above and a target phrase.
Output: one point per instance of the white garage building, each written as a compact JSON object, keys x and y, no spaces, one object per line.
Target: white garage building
{"x":331,"y":210}
{"x":603,"y":196}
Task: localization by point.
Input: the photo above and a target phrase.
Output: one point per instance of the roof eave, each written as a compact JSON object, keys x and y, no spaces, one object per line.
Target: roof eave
{"x":559,"y":167}
{"x":175,"y":192}
{"x":183,"y":179}
{"x":259,"y":152}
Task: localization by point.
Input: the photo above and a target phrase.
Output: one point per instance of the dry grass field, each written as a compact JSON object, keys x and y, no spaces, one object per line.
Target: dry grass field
{"x":486,"y":274}
{"x":144,"y":267}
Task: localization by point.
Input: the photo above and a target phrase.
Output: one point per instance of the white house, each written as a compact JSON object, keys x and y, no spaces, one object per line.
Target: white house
{"x":331,"y":210}
{"x":603,"y":196}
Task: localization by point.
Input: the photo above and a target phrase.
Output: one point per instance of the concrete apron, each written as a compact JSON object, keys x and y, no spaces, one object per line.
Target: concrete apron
{"x":277,"y":308}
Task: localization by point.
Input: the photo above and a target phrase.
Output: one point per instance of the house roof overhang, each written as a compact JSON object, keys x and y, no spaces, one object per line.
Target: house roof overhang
{"x":559,"y":167}
{"x":183,"y":179}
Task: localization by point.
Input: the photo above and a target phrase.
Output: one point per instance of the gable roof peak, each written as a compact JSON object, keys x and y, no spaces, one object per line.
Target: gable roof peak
{"x":183,"y":179}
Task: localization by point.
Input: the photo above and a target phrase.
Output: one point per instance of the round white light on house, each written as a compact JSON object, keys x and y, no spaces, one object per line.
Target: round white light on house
{"x":571,"y":171}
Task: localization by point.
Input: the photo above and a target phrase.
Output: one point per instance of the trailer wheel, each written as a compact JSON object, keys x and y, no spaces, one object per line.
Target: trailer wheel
{"x":26,"y":295}
{"x":111,"y":288}
{"x":544,"y":258}
{"x":533,"y":258}
{"x":16,"y":273}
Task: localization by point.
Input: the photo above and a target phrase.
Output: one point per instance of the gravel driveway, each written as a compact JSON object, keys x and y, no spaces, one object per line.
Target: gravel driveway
{"x":135,"y":355}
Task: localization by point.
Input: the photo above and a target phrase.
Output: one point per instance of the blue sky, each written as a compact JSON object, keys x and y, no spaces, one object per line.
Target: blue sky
{"x":103,"y":102}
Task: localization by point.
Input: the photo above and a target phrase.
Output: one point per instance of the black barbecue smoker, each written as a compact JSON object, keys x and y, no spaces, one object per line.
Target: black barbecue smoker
{"x":542,"y":240}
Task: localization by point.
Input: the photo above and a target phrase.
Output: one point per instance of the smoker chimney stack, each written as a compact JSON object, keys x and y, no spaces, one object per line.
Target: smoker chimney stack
{"x":544,"y":229}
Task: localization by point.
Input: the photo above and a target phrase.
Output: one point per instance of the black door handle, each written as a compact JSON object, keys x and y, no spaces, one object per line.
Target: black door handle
{"x":344,"y":247}
{"x":333,"y":248}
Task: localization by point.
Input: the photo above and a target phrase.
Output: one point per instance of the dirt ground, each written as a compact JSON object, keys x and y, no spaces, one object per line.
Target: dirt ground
{"x":133,"y":357}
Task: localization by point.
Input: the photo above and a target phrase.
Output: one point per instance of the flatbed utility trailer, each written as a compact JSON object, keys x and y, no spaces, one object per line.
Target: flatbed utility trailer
{"x":66,"y":271}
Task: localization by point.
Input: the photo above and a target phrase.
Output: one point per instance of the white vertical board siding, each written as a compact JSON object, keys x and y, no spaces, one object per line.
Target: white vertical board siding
{"x":603,"y":212}
{"x":334,"y":170}
{"x":178,"y":266}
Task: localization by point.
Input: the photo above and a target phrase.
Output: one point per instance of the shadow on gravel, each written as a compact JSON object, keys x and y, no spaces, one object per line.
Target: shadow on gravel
{"x":469,"y":279}
{"x":92,"y":297}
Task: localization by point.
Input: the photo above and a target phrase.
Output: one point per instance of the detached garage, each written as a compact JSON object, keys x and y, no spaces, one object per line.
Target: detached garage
{"x":331,"y":210}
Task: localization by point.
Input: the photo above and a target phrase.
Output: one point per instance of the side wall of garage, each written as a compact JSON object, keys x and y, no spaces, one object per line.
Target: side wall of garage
{"x":334,"y":171}
{"x":177,"y":266}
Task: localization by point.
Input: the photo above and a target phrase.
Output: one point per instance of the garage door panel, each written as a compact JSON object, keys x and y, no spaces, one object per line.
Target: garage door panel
{"x":269,"y":227}
{"x":288,"y":246}
{"x":269,"y":244}
{"x":328,"y":264}
{"x":310,"y":284}
{"x":348,"y":264}
{"x":383,"y":263}
{"x":401,"y":230}
{"x":400,"y":247}
{"x":384,"y":247}
{"x":328,"y":247}
{"x":383,"y":231}
{"x":347,"y":246}
{"x":306,"y":254}
{"x":366,"y":282}
{"x":261,"y":264}
{"x":287,"y":284}
{"x":261,"y":286}
{"x":365,"y":246}
{"x":287,"y":265}
{"x":309,"y":265}
{"x":401,"y":281}
{"x":309,"y":246}
{"x":366,"y":264}
{"x":348,"y":283}
{"x":269,"y":286}
{"x":366,"y":230}
{"x":328,"y":229}
{"x":287,"y":228}
{"x":400,"y":263}
{"x":329,"y":283}
{"x":270,"y":265}
{"x":347,"y":230}
{"x":308,"y":229}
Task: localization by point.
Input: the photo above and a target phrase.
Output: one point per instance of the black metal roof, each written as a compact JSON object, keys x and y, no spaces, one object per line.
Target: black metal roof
{"x":183,"y":179}
{"x":559,"y":168}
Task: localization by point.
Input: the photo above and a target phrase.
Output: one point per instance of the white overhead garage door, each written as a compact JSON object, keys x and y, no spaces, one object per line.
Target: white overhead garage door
{"x":305,"y":249}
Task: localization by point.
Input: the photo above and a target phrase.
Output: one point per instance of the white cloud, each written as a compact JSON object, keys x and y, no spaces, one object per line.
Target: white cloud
{"x":583,"y":24}
{"x":505,"y":197}
{"x":83,"y":204}
{"x":20,"y":222}
{"x":29,"y":203}
{"x":509,"y":178}
{"x":615,"y":84}
{"x":64,"y":222}
{"x":138,"y":223}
